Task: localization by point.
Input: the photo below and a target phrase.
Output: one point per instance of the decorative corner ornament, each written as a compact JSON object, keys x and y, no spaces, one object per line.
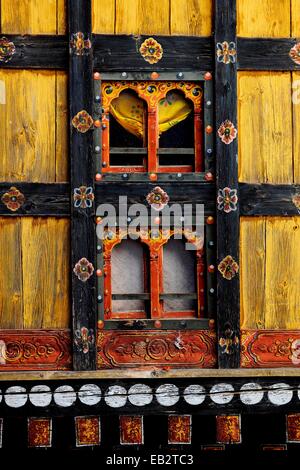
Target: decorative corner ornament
{"x":80,"y":44}
{"x":7,"y":49}
{"x":228,"y":267}
{"x":227,"y":200}
{"x":83,"y":269}
{"x":157,"y":199}
{"x":227,"y":132}
{"x":84,"y":339}
{"x":13,"y":199}
{"x":151,"y":51}
{"x":226,"y":52}
{"x":296,"y":201}
{"x":83,"y":197}
{"x":82,"y":121}
{"x":295,"y":53}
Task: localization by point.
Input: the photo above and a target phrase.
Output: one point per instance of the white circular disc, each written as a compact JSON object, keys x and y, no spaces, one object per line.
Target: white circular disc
{"x":251,"y":393}
{"x":167,"y":394}
{"x":0,"y":396}
{"x":140,"y":395}
{"x":64,"y":395}
{"x":40,"y":395}
{"x":116,"y":396}
{"x":89,"y":394}
{"x":221,"y":393}
{"x":16,"y":396}
{"x":280,"y":394}
{"x":194,"y":394}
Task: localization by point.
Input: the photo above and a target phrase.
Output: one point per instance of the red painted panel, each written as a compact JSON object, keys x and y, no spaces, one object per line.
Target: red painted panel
{"x":87,"y":431}
{"x":39,"y":432}
{"x":270,"y":348}
{"x":35,"y":350}
{"x":166,"y":349}
{"x":228,"y":429}
{"x":131,"y":430}
{"x":179,"y":429}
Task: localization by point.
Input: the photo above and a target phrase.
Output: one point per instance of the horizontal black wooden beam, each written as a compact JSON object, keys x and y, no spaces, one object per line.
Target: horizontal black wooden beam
{"x":115,"y":53}
{"x":41,"y":199}
{"x":43,"y":52}
{"x":268,"y":199}
{"x":265,"y":54}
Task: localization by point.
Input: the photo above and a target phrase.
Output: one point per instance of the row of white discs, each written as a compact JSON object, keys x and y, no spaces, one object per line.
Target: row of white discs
{"x":140,"y":395}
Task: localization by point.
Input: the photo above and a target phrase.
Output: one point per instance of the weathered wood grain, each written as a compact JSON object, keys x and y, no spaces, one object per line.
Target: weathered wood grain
{"x":191,"y":18}
{"x":11,"y":292}
{"x":295,"y":12}
{"x":296,"y":125}
{"x":103,"y":16}
{"x":268,"y":199}
{"x":61,"y":131}
{"x":253,"y":259}
{"x":265,"y":136}
{"x":45,"y":269}
{"x":142,"y":17}
{"x":264,"y":18}
{"x":29,"y":16}
{"x":61,"y":17}
{"x":265,"y":54}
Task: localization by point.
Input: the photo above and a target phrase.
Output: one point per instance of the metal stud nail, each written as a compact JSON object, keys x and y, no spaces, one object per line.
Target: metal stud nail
{"x":99,"y":248}
{"x":180,"y":75}
{"x":211,"y":291}
{"x":125,"y":176}
{"x":97,"y":98}
{"x":99,"y":298}
{"x":209,"y":151}
{"x":97,"y":148}
{"x":123,"y":74}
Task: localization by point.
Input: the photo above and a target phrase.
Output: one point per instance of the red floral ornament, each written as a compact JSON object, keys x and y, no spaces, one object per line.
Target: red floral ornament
{"x":84,"y":338}
{"x":82,"y":121}
{"x":227,"y":132}
{"x":79,"y":44}
{"x":83,"y":197}
{"x":157,"y":199}
{"x":228,"y":267}
{"x":227,"y":200}
{"x":7,"y":49}
{"x":295,"y":53}
{"x":13,"y":199}
{"x":83,"y":269}
{"x":151,"y":51}
{"x":226,"y":52}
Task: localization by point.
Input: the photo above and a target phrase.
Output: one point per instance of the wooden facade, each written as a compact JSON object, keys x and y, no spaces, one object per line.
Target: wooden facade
{"x":57,"y":59}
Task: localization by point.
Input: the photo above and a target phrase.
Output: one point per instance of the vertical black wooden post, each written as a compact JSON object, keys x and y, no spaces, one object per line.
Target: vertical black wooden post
{"x":228,"y":300}
{"x":82,"y":186}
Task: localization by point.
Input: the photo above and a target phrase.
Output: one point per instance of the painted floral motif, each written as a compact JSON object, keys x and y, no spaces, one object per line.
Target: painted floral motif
{"x":39,"y":432}
{"x":157,"y":199}
{"x":296,"y":201}
{"x":79,"y":44}
{"x":83,"y":197}
{"x":7,"y":49}
{"x":227,"y":132}
{"x":83,"y":269}
{"x":228,"y":429}
{"x":226,"y":52}
{"x":151,"y":51}
{"x":131,"y":429}
{"x":82,"y":121}
{"x":13,"y":199}
{"x":295,"y":349}
{"x":228,"y":267}
{"x":84,"y":338}
{"x":227,"y":200}
{"x":87,"y":431}
{"x":179,"y":429}
{"x":229,"y":342}
{"x":295,"y":53}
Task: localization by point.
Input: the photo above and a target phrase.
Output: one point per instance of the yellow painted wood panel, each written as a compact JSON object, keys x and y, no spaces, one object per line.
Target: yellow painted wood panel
{"x":28,"y":16}
{"x":61,"y":122}
{"x":103,"y":16}
{"x":265,"y":127}
{"x":11,"y":308}
{"x":295,"y":5}
{"x":62,"y":17}
{"x":282,"y":273}
{"x":296,"y":125}
{"x":28,"y":138}
{"x":46,"y":270}
{"x":263,"y":18}
{"x":142,"y":17}
{"x":252,"y":272}
{"x":191,"y":18}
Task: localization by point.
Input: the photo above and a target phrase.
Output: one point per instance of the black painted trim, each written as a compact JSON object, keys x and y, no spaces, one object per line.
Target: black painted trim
{"x":268,"y":199}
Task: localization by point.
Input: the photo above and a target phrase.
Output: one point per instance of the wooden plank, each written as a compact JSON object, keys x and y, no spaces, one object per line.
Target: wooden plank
{"x":268,"y":199}
{"x":28,"y":17}
{"x":192,"y":18}
{"x":11,"y":304}
{"x":282,"y":291}
{"x":265,"y":136}
{"x":61,"y":17}
{"x":295,"y":12}
{"x":228,"y":295}
{"x":252,"y":256}
{"x":103,"y":16}
{"x":296,"y":125}
{"x":83,"y":233}
{"x":62,"y":124}
{"x":115,"y":53}
{"x":27,"y":142}
{"x":264,"y":18}
{"x":142,"y":17}
{"x":45,"y":267}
